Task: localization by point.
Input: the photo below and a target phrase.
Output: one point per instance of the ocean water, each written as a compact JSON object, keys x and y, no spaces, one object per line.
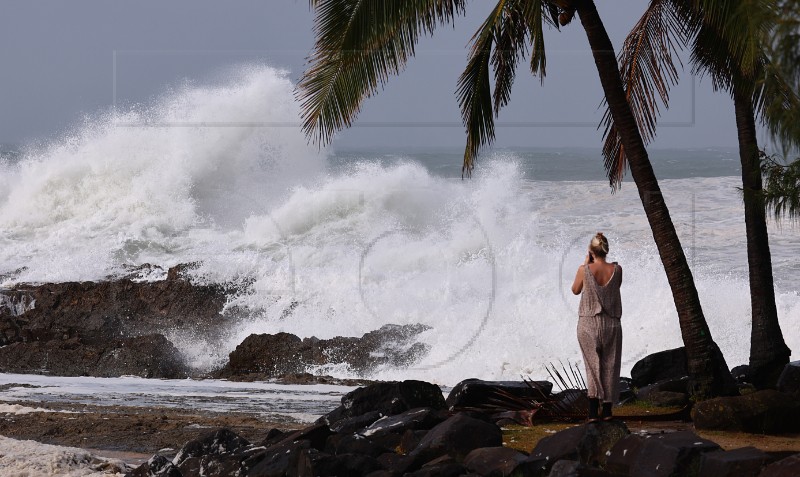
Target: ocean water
{"x":221,"y":175}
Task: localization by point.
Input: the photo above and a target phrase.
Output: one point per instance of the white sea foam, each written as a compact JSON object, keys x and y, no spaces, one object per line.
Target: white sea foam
{"x":33,"y":459}
{"x":18,"y":409}
{"x":487,"y":263}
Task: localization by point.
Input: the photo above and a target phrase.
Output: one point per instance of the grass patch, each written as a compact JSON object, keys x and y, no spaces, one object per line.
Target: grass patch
{"x":523,"y":438}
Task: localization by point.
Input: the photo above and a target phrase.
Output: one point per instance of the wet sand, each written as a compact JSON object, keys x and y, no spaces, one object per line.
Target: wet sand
{"x":132,"y":434}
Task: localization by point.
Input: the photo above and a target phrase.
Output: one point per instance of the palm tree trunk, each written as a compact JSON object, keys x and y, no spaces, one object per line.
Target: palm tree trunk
{"x":768,"y":351}
{"x":706,"y":381}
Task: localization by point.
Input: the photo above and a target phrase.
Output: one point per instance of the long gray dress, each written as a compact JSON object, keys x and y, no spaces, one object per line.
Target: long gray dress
{"x":600,"y":335}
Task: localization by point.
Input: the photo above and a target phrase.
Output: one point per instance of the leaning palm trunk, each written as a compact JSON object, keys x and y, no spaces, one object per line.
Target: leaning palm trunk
{"x":706,"y":381}
{"x":768,"y":351}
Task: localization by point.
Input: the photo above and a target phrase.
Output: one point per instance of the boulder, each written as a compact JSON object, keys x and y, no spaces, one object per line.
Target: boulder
{"x":679,"y":385}
{"x":743,"y":462}
{"x":664,"y":365}
{"x":475,"y":393}
{"x":671,"y":365}
{"x":388,"y":398}
{"x":149,"y":356}
{"x":276,"y":461}
{"x":266,"y":356}
{"x":789,"y":381}
{"x":438,"y":469}
{"x":626,"y":392}
{"x":668,"y":399}
{"x":787,"y":467}
{"x":356,"y":423}
{"x":98,"y":312}
{"x":421,"y":418}
{"x":741,"y":374}
{"x":107,"y":328}
{"x":573,"y":468}
{"x":498,"y":462}
{"x":219,"y":442}
{"x":339,"y":444}
{"x":316,"y":436}
{"x":410,"y":440}
{"x":669,"y":454}
{"x":312,"y":462}
{"x":156,"y":466}
{"x":586,"y":443}
{"x":456,"y":437}
{"x":763,"y":412}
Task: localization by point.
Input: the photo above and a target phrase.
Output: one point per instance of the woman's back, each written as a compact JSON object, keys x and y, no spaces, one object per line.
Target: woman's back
{"x":602,"y":272}
{"x":601,"y":290}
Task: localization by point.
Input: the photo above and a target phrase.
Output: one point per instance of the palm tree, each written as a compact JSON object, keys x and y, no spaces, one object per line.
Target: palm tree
{"x":360,"y":43}
{"x":727,"y":44}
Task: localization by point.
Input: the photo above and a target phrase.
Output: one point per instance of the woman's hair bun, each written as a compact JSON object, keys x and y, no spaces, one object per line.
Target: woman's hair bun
{"x":599,"y":245}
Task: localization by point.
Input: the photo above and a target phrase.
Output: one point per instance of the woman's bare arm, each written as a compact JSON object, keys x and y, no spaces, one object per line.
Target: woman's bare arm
{"x":577,"y":285}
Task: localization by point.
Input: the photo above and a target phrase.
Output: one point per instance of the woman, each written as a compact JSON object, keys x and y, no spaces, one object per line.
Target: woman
{"x":599,"y":329}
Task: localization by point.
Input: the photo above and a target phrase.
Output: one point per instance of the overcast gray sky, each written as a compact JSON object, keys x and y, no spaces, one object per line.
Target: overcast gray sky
{"x":56,"y":64}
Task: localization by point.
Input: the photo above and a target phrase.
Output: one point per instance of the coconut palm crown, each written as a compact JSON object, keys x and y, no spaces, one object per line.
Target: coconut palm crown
{"x":729,"y":42}
{"x":360,"y":43}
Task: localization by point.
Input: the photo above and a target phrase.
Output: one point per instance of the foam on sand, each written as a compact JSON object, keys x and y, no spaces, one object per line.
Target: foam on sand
{"x":33,"y":459}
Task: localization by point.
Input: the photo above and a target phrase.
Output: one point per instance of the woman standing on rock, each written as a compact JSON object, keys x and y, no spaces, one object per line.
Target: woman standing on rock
{"x":599,"y":329}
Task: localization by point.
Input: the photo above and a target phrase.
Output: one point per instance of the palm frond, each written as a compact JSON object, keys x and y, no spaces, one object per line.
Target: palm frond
{"x":474,"y":91}
{"x":359,"y":44}
{"x":510,"y":37}
{"x":778,"y":107}
{"x":781,"y":187}
{"x":731,"y":34}
{"x":498,"y":45}
{"x":648,"y":71}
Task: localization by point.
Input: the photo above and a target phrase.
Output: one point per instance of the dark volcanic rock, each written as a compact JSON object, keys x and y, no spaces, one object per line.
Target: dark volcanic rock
{"x":276,"y":461}
{"x":151,"y":356}
{"x":573,"y":468}
{"x":456,"y":437}
{"x":678,"y":385}
{"x":269,"y":356}
{"x":387,"y":398}
{"x":105,"y":328}
{"x":670,"y":454}
{"x":664,"y":365}
{"x":765,"y":412}
{"x":414,"y":419}
{"x":497,"y":462}
{"x":312,"y":462}
{"x":788,"y":467}
{"x":477,"y":393}
{"x":741,"y":374}
{"x":668,"y":399}
{"x":157,"y":466}
{"x":744,"y":462}
{"x":98,"y":312}
{"x":671,"y":365}
{"x":789,"y":381}
{"x":220,"y":442}
{"x":587,"y":443}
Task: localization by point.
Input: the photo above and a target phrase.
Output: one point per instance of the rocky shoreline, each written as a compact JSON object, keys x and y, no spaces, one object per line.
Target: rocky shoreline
{"x":407,"y":428}
{"x":120,"y":326}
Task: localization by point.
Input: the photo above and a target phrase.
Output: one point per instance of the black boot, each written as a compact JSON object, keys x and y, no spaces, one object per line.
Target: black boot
{"x":594,"y":406}
{"x":606,"y":414}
